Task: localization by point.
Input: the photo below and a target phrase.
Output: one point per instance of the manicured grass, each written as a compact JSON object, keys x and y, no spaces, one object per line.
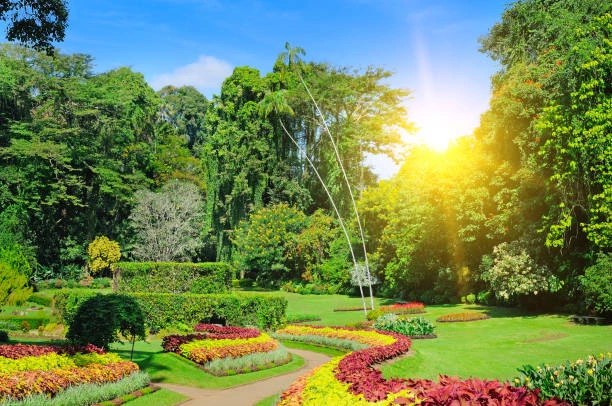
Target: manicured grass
{"x":162,"y":397}
{"x":496,"y":347}
{"x":172,"y":368}
{"x":270,"y":401}
{"x":324,"y":305}
{"x":332,"y":352}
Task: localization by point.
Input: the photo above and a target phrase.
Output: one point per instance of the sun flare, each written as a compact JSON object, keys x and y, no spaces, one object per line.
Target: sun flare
{"x":437,"y":130}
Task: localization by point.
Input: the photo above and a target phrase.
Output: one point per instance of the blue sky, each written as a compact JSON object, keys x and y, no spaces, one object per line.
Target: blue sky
{"x":431,"y":45}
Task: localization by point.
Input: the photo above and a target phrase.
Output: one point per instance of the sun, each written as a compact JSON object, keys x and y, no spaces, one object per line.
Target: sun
{"x":437,"y":130}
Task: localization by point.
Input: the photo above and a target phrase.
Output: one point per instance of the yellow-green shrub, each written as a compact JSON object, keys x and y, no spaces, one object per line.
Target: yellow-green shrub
{"x":103,"y":252}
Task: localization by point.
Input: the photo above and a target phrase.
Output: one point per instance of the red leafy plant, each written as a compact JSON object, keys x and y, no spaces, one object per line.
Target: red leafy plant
{"x":16,"y":351}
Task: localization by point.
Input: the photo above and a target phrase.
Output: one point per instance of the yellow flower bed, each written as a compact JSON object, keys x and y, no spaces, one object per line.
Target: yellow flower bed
{"x":50,"y":361}
{"x":371,"y":338}
{"x":321,"y":387}
{"x":211,"y":344}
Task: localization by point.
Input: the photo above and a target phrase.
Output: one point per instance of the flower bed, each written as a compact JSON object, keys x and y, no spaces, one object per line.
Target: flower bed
{"x":583,"y":382}
{"x":353,"y":380}
{"x":31,"y":369}
{"x":404,"y":308}
{"x":466,"y":316}
{"x":232,"y":345}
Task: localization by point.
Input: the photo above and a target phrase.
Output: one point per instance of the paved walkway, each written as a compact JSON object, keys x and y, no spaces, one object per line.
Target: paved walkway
{"x":250,"y":393}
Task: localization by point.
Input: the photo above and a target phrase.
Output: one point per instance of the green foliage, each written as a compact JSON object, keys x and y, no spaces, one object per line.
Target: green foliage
{"x":597,"y":285}
{"x":174,"y":277}
{"x":163,"y":309}
{"x":103,"y":253}
{"x":13,"y":287}
{"x":67,"y":301}
{"x":4,"y":336}
{"x":417,"y":326}
{"x":583,"y":382}
{"x":35,"y":24}
{"x":266,"y":244}
{"x":100,"y":319}
{"x":29,"y":322}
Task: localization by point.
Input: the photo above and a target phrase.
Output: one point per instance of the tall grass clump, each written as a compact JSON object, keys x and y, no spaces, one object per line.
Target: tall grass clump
{"x":322,"y":341}
{"x":247,"y":363}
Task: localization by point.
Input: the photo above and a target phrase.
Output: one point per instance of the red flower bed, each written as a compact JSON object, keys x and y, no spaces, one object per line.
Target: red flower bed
{"x":16,"y":351}
{"x":357,"y":370}
{"x":221,"y":332}
{"x":474,"y":391}
{"x":403,"y":306}
{"x":173,"y":342}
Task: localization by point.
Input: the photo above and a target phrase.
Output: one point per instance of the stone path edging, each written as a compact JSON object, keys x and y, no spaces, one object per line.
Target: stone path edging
{"x":250,"y":393}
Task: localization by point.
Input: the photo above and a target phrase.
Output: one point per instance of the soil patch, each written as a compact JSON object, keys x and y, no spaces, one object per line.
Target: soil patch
{"x":546,"y":336}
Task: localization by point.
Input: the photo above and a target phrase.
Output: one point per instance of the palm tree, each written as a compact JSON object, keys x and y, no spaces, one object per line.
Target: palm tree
{"x":290,"y":58}
{"x":277,"y":102}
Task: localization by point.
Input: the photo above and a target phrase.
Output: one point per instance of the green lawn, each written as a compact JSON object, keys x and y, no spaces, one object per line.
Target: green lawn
{"x":496,"y":347}
{"x":172,"y":368}
{"x":162,"y":397}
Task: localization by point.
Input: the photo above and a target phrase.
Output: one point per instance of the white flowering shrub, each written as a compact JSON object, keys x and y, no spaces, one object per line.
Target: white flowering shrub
{"x":515,"y":273}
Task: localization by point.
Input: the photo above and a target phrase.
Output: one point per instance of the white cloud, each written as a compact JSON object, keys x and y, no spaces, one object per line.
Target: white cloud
{"x":207,"y":73}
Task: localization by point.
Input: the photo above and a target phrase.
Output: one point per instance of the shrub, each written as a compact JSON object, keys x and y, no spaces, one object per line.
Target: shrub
{"x":471,"y":298}
{"x":101,"y":318}
{"x":374,"y":314}
{"x":4,"y":336}
{"x":12,"y":285}
{"x":583,"y":382}
{"x":41,"y":299}
{"x":24,"y":326}
{"x":597,"y":285}
{"x":515,"y":273}
{"x":103,"y":252}
{"x":466,"y":316}
{"x":173,"y":277}
{"x":411,"y":327}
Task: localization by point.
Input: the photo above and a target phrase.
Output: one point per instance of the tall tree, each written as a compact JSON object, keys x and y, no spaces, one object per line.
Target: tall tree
{"x":167,"y":223}
{"x":35,"y":22}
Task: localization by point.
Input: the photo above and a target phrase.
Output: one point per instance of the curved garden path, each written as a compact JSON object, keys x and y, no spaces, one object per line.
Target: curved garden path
{"x":250,"y":393}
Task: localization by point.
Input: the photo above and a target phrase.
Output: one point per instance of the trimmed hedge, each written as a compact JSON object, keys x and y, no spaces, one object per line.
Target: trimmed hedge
{"x":173,"y":277}
{"x":40,"y":299}
{"x":162,"y":310}
{"x":67,"y":301}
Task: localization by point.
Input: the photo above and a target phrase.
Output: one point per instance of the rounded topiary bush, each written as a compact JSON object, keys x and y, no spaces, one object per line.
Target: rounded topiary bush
{"x":100,"y":319}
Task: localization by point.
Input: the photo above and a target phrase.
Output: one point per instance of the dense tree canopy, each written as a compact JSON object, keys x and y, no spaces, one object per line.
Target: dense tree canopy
{"x":521,"y":206}
{"x":35,"y":22}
